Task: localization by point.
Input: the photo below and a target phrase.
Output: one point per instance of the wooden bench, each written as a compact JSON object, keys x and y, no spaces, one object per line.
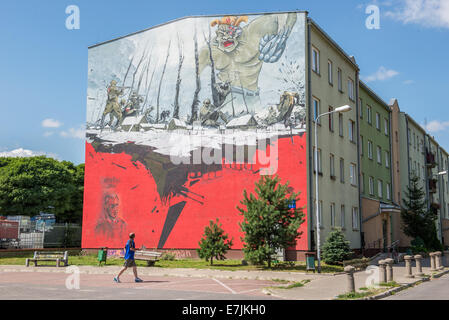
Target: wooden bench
{"x":49,"y":256}
{"x":149,"y":256}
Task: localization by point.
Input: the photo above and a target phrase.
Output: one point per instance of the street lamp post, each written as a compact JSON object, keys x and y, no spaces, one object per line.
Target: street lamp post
{"x":317,"y":209}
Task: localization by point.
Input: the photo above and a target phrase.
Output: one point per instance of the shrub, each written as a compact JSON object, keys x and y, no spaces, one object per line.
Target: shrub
{"x":214,"y":243}
{"x":336,"y":248}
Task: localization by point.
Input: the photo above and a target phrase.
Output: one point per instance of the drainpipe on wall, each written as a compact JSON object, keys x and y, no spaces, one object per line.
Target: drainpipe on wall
{"x":357,"y":106}
{"x":310,"y":207}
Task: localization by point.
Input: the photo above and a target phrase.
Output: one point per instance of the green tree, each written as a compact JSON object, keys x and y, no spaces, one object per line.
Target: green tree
{"x":268,"y":222}
{"x":336,"y":248}
{"x":418,"y":220}
{"x":32,"y":185}
{"x":214,"y":243}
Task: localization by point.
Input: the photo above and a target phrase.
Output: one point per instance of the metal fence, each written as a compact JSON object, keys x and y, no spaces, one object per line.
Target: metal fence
{"x":36,"y":236}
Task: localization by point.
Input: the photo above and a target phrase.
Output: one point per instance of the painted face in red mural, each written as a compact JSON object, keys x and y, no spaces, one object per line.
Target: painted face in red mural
{"x":111,"y":225}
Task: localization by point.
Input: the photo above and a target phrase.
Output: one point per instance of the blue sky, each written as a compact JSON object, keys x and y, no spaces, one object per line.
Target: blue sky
{"x":43,"y":65}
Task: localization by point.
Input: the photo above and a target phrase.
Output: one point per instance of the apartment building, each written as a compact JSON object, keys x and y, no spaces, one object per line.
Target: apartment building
{"x":333,"y":82}
{"x":379,"y":213}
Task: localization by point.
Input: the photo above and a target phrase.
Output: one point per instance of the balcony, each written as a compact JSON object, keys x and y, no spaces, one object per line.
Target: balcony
{"x":430,"y":160}
{"x":433,"y":185}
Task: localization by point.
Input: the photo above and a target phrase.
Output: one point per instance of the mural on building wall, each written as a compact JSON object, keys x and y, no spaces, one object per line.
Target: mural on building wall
{"x":183,"y":117}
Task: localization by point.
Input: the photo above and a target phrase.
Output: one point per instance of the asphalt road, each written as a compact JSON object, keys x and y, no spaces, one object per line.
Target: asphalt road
{"x":432,"y":290}
{"x":52,"y":286}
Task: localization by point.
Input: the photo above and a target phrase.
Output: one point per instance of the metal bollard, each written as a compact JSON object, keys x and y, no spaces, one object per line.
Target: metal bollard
{"x":350,"y":277}
{"x":382,"y":271}
{"x":432,"y":261}
{"x":418,"y":259}
{"x":389,"y":266}
{"x":408,"y":266}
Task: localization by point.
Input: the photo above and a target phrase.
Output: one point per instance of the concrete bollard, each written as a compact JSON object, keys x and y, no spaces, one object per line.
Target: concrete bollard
{"x":408,"y":266}
{"x":418,"y":259}
{"x":389,"y":266}
{"x":382,"y":271}
{"x":350,"y":277}
{"x":438,"y":261}
{"x":432,"y":261}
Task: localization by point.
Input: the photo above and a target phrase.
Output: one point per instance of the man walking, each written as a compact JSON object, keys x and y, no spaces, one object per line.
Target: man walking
{"x":130,"y":248}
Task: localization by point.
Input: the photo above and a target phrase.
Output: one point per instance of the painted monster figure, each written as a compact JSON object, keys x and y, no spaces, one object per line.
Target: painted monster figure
{"x":238,"y":54}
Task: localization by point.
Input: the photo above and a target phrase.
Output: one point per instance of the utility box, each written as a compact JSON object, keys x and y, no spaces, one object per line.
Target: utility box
{"x":310,"y":261}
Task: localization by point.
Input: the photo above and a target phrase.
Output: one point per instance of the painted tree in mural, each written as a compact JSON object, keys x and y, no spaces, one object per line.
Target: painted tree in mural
{"x":160,"y":83}
{"x":418,"y":220}
{"x":215,"y":243}
{"x":178,"y":80}
{"x":270,"y":222}
{"x":195,"y":103}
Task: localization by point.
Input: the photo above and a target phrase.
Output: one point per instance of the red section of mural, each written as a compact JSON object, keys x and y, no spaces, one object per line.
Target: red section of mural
{"x":121,"y":196}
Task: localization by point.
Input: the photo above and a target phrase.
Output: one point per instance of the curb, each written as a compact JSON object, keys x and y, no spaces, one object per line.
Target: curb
{"x":394,"y":290}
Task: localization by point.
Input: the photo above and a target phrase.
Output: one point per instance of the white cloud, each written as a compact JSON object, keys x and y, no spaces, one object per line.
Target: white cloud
{"x":380,"y":75}
{"x":51,"y":123}
{"x":429,"y":13}
{"x":435,"y":126}
{"x":20,"y":152}
{"x":78,"y":133}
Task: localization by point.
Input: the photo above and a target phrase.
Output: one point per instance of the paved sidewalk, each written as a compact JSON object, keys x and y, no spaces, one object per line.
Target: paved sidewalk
{"x":320,"y":287}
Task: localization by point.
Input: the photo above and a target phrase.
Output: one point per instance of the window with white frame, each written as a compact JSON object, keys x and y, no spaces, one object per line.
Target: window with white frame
{"x":316,"y":109}
{"x":361,"y":108}
{"x":332,"y":165}
{"x":371,"y":185}
{"x":351,"y":127}
{"x":379,"y":155}
{"x":380,"y":189}
{"x":340,"y":83}
{"x":319,"y":159}
{"x":388,"y":191}
{"x":330,"y":74}
{"x":315,"y":60}
{"x":351,"y":89}
{"x":377,"y":121}
{"x":355,"y":218}
{"x":353,"y":174}
{"x":361,"y":145}
{"x":332,"y":208}
{"x":362,"y":183}
{"x":342,"y":170}
{"x":370,"y":149}
{"x":340,"y":124}
{"x":387,"y":159}
{"x":386,"y":126}
{"x":342,"y":216}
{"x":368,"y":114}
{"x":331,"y":119}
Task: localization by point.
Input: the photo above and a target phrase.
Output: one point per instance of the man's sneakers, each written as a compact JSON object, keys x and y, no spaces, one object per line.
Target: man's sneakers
{"x":138,"y":280}
{"x":116,"y":280}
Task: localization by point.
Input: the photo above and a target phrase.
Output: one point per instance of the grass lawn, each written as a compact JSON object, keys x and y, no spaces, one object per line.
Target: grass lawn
{"x":230,"y":265}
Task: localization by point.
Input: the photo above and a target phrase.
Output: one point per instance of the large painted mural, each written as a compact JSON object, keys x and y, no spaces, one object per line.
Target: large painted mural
{"x":183,"y":117}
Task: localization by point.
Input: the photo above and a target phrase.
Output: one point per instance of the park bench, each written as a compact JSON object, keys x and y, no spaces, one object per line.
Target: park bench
{"x":149,"y":256}
{"x":49,"y":256}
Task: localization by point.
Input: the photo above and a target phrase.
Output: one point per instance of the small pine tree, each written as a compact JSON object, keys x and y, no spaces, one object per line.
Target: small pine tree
{"x":214,"y":243}
{"x":268,"y":222}
{"x":418,"y":220}
{"x":336,"y":248}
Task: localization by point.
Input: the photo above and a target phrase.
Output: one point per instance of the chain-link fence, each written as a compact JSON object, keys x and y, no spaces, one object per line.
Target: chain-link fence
{"x":35,"y":235}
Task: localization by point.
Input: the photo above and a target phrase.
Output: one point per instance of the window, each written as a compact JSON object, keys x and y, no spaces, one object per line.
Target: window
{"x":315,"y":60}
{"x":342,"y":170}
{"x":355,"y":218}
{"x":386,"y":127}
{"x":362,"y":183}
{"x":361,"y":108}
{"x":368,"y":114}
{"x":340,"y":124}
{"x":316,"y":109}
{"x":342,"y":216}
{"x":387,"y":159}
{"x":388,"y":190}
{"x":353,"y":174}
{"x":332,"y":165}
{"x":380,"y":193}
{"x":330,"y":75}
{"x":351,"y":130}
{"x":379,"y":155}
{"x":361,"y":145}
{"x":377,"y":121}
{"x":331,"y":120}
{"x":351,"y":89}
{"x":370,"y":150}
{"x":332,"y":214}
{"x":340,"y":84}
{"x":371,"y":186}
